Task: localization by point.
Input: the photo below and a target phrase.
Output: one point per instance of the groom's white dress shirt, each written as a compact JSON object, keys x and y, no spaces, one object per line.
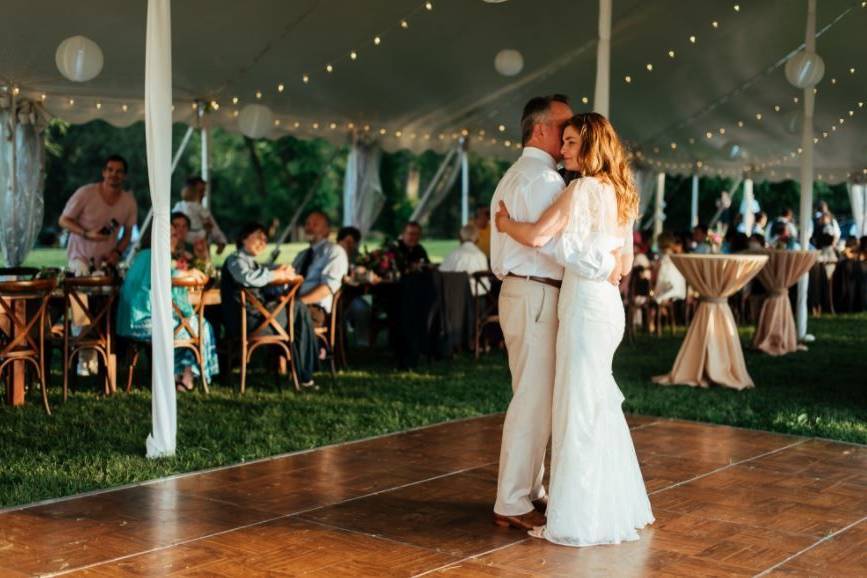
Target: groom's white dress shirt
{"x":528,"y":188}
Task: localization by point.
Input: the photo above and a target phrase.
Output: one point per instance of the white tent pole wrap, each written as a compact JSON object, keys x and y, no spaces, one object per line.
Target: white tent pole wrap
{"x":206,"y":162}
{"x":659,"y":206}
{"x":806,"y":213}
{"x":465,"y":184}
{"x":602,"y":95}
{"x":158,"y":133}
{"x":350,"y":185}
{"x":749,"y":198}
{"x":693,"y":205}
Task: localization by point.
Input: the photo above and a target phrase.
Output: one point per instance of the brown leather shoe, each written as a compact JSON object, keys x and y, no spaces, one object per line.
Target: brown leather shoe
{"x":541,"y":504}
{"x":525,"y":522}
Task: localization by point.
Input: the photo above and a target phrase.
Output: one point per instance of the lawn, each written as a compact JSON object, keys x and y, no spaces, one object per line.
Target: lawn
{"x":91,"y":442}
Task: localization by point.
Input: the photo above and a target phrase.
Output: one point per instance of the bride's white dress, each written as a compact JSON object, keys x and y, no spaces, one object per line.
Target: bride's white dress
{"x":596,"y":492}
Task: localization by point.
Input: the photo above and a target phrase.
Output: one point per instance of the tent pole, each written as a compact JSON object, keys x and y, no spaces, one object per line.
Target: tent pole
{"x":350,"y":184}
{"x":693,"y":206}
{"x":659,"y":205}
{"x":749,"y":199}
{"x":602,"y":94}
{"x":807,"y":174}
{"x":206,"y":162}
{"x":465,"y":184}
{"x":433,"y":184}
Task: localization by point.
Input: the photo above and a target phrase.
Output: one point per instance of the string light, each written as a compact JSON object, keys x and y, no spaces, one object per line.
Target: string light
{"x":628,"y":79}
{"x":234,"y":100}
{"x":124,"y":107}
{"x":671,"y":53}
{"x":428,"y":5}
{"x":585,"y":100}
{"x":329,"y":69}
{"x":280,"y":87}
{"x":502,"y":128}
{"x":737,"y":7}
{"x":258,"y":95}
{"x":649,"y":67}
{"x":353,"y":55}
{"x":377,"y":40}
{"x":715,"y":24}
{"x":305,"y":78}
{"x":98,"y":106}
{"x":692,"y":39}
{"x":404,"y":24}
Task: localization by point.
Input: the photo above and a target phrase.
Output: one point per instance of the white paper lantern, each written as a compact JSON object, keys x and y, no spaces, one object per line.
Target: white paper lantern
{"x":509,"y":62}
{"x":256,"y":120}
{"x":79,"y":59}
{"x":734,"y":151}
{"x":805,"y":69}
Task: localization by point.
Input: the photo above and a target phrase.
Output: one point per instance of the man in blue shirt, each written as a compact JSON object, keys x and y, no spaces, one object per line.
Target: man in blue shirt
{"x":323,"y":266}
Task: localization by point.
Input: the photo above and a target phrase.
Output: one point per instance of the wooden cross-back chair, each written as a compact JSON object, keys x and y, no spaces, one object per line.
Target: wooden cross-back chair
{"x":282,"y":337}
{"x":18,"y":344}
{"x":95,"y":297}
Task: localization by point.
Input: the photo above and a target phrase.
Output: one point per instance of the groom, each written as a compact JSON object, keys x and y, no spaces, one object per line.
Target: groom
{"x":528,"y":314}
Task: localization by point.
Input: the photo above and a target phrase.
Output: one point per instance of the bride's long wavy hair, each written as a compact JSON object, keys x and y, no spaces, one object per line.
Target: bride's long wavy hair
{"x":602,"y":155}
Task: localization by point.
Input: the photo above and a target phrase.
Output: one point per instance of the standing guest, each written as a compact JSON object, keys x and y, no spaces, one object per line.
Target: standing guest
{"x":134,"y":314}
{"x":782,"y":237}
{"x":94,"y":216}
{"x":826,"y":224}
{"x":323,"y":265}
{"x":787,"y":218}
{"x":483,"y":225}
{"x":202,"y":223}
{"x":468,"y":258}
{"x":411,"y":255}
{"x":241,"y":270}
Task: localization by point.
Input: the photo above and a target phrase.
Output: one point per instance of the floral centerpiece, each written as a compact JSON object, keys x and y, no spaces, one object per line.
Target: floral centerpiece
{"x":382,"y":263}
{"x":714,"y":240}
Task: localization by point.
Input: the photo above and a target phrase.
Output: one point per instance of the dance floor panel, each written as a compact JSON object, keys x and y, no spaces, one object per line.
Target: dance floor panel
{"x":727,"y":501}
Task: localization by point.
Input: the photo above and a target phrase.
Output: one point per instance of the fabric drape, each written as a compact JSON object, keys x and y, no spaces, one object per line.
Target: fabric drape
{"x":775,"y":332}
{"x":711,"y":352}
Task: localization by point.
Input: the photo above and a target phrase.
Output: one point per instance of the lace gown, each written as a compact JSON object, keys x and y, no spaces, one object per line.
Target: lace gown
{"x":596,"y":493}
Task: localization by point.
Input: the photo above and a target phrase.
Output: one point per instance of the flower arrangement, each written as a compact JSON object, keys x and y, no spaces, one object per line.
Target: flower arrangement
{"x":383,"y":262}
{"x":714,"y":240}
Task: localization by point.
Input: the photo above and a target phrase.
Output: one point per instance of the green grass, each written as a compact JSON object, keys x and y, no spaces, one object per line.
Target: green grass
{"x":91,"y":442}
{"x":51,"y":257}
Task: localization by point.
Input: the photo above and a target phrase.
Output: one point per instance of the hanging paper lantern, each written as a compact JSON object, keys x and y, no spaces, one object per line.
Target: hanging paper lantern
{"x":79,"y":59}
{"x":256,"y":120}
{"x":509,"y":62}
{"x":805,"y":69}
{"x":734,"y":151}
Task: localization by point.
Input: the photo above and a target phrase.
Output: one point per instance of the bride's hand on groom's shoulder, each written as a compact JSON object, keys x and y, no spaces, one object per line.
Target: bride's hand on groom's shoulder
{"x":502,"y":217}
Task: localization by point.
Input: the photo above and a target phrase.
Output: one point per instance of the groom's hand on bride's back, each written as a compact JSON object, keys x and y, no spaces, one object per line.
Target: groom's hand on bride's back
{"x":615,"y":276}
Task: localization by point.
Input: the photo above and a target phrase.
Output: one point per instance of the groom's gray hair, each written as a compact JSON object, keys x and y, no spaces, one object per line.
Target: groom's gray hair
{"x":535,"y":111}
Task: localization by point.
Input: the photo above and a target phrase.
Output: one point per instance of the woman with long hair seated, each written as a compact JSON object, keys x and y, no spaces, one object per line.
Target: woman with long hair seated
{"x":134,"y":313}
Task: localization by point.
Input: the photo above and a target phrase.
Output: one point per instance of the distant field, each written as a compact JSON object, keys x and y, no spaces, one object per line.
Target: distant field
{"x":436,"y":248}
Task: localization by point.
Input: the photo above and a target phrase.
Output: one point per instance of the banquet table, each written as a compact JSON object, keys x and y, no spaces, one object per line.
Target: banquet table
{"x":711,"y":351}
{"x":775,"y":332}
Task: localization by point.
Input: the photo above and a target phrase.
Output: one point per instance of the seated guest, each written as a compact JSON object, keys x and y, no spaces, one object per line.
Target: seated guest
{"x":241,"y":270}
{"x":781,"y":235}
{"x":203,"y":227}
{"x":410,"y":253}
{"x":699,"y":244}
{"x":670,"y":283}
{"x":348,"y":239}
{"x":756,"y":242}
{"x":468,"y":258}
{"x":323,"y":265}
{"x":134,"y":313}
{"x":483,"y":224}
{"x":197,"y":256}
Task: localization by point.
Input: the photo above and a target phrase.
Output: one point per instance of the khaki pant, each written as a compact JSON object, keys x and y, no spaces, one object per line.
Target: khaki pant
{"x":528,"y":317}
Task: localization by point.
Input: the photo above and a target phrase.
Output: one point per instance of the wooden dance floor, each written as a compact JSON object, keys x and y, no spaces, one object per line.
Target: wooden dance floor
{"x":727,"y":501}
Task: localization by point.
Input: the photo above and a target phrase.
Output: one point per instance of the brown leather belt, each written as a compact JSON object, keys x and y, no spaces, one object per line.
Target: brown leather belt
{"x":544,"y":280}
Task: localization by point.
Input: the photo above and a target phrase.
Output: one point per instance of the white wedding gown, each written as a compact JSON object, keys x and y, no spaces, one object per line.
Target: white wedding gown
{"x":596,"y":493}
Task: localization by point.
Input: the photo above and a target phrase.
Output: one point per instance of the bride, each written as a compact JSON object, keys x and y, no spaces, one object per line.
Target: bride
{"x":597,"y":494}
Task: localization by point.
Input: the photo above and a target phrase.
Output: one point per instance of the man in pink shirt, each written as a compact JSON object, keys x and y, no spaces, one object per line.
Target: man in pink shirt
{"x":93,"y":216}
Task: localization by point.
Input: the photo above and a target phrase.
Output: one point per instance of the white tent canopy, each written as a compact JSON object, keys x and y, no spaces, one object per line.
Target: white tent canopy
{"x":426,"y":83}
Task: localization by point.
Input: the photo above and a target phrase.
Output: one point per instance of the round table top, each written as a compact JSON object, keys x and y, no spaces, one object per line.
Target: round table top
{"x":718,"y":275}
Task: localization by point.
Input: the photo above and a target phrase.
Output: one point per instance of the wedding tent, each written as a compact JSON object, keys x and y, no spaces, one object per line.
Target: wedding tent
{"x":694,"y":87}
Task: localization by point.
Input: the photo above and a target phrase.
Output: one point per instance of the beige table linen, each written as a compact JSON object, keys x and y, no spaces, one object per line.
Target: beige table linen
{"x":711,"y":352}
{"x":775,"y":332}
